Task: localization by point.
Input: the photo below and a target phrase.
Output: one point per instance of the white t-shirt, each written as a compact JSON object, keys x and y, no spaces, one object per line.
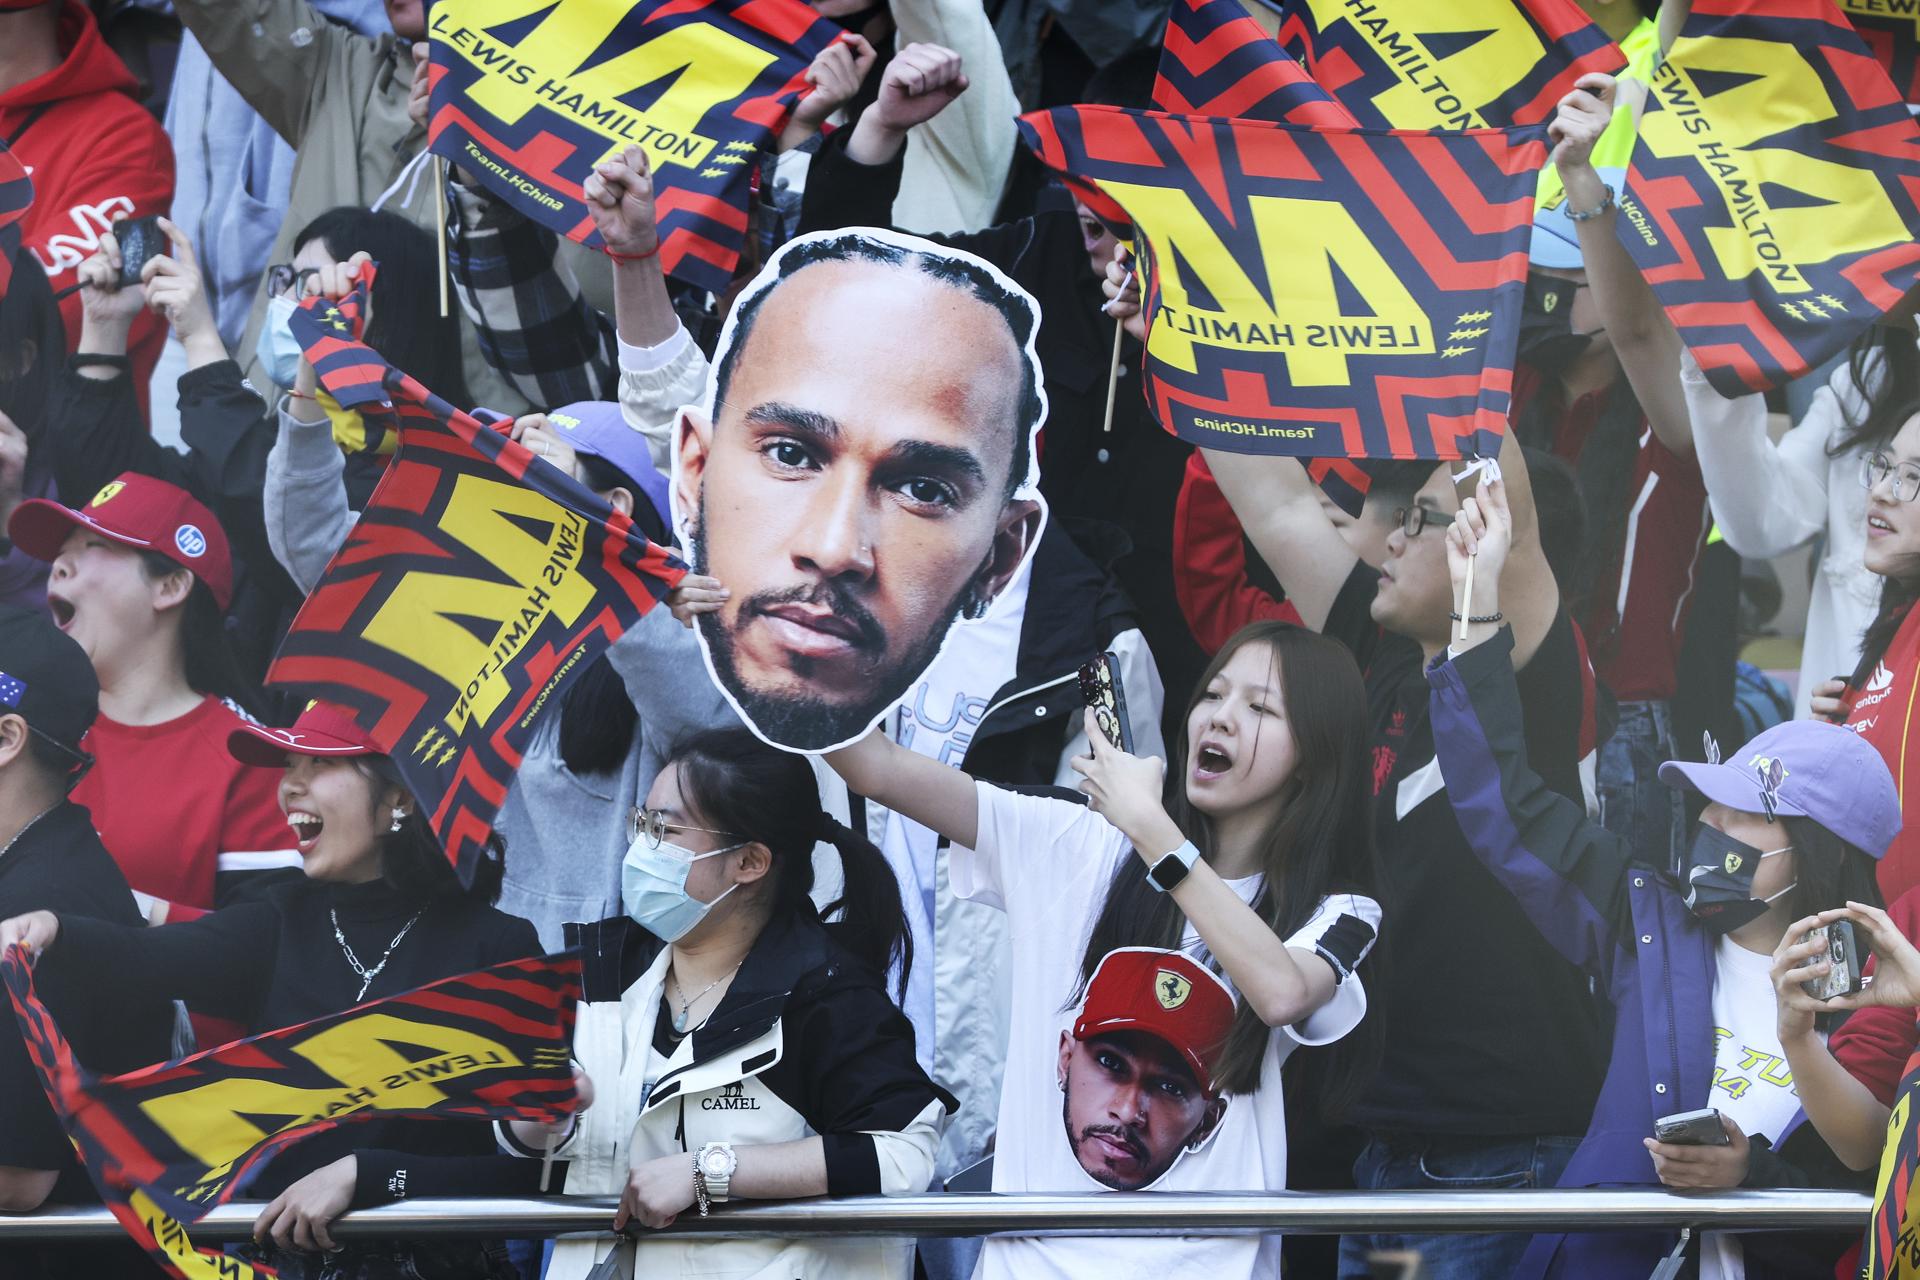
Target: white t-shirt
{"x":1047,"y":863}
{"x":1751,"y":1083}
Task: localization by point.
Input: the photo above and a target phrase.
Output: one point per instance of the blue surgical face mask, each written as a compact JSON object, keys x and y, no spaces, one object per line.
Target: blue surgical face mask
{"x":276,"y":348}
{"x":653,"y":888}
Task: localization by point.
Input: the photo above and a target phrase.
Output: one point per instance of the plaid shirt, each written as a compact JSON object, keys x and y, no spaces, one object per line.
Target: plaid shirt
{"x":534,"y":326}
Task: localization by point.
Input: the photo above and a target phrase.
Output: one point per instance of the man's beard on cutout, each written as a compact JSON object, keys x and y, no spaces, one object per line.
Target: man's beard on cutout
{"x":1121,"y":1132}
{"x":803,"y":720}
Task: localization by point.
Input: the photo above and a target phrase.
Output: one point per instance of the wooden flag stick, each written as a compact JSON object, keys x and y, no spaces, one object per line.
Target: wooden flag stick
{"x":1466,"y":598}
{"x":440,"y":224}
{"x":1113,"y":366}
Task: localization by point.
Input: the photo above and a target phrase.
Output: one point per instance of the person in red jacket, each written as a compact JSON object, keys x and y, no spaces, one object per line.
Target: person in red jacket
{"x":68,"y":111}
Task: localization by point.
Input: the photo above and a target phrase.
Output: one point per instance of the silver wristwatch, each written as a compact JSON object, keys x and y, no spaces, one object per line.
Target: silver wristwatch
{"x":714,"y":1167}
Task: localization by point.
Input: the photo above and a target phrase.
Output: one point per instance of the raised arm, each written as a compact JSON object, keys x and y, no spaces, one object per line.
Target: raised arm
{"x":918,"y":788}
{"x":1643,"y":338}
{"x":1279,"y":508}
{"x":1841,"y":1107}
{"x":1568,"y":874}
{"x":274,"y":52}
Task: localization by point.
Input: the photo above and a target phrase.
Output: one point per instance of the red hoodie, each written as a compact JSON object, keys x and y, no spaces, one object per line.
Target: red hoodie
{"x":95,"y":156}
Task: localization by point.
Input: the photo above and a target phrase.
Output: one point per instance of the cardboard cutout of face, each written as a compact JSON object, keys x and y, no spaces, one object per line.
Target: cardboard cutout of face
{"x":861,"y":477}
{"x":1138,"y":1069}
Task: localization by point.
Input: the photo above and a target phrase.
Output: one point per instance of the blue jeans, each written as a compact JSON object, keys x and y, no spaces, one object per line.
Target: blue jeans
{"x":1402,"y":1161}
{"x":1634,"y":804}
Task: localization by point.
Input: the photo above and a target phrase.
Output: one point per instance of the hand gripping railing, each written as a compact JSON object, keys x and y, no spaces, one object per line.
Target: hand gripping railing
{"x":1147,"y":1213}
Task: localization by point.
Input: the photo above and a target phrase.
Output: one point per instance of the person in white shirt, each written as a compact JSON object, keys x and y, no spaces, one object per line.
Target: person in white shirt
{"x":1259,"y":866}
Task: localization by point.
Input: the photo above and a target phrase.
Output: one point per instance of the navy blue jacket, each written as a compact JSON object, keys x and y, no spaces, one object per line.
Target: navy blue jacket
{"x":1627,"y":926}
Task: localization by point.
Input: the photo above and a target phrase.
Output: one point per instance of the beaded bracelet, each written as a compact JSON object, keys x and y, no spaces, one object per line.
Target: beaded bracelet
{"x":1481,"y":618}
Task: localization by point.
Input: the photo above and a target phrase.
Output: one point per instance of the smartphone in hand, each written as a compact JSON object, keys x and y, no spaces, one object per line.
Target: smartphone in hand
{"x":141,"y":241}
{"x":1700,"y":1128}
{"x":1100,"y":689}
{"x":1846,"y":957}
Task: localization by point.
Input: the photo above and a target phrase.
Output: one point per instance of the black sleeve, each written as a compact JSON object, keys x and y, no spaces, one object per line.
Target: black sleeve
{"x":221,"y":963}
{"x":31,"y":1136}
{"x":1803,"y":1160}
{"x":225,"y":425}
{"x":383,"y":1177}
{"x":512,"y":939}
{"x":95,"y":431}
{"x":1553,"y":692}
{"x":860,"y":1078}
{"x":1350,"y":619}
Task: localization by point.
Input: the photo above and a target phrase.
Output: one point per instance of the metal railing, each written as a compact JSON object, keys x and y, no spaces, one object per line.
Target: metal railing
{"x":1221,"y":1213}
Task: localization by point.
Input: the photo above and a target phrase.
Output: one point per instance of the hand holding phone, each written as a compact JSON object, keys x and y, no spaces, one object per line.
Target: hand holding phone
{"x":141,"y":241}
{"x":1845,"y":954}
{"x":1100,"y":689}
{"x":1702,"y":1128}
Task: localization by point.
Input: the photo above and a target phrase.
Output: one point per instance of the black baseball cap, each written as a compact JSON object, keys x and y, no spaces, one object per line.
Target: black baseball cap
{"x":46,"y":679}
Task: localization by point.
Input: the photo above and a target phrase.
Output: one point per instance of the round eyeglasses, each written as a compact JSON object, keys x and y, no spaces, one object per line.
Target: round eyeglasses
{"x":651,"y":825}
{"x":1877,"y":466}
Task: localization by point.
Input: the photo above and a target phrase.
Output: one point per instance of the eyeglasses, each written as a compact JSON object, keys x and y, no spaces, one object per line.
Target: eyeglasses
{"x":1415,"y":518}
{"x":1876,"y":467}
{"x":651,"y":824}
{"x":283,"y":276}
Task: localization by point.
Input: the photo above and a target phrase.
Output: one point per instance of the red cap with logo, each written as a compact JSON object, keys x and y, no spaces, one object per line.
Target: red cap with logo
{"x":1165,"y":994}
{"x":323,"y":729}
{"x":135,"y":511}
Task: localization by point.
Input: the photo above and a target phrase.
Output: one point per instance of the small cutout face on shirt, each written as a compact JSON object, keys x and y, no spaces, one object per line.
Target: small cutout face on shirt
{"x":1132,"y":1107}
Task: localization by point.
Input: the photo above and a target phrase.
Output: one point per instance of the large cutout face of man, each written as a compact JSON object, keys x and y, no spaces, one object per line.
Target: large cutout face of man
{"x":1137,"y":1072}
{"x":863,"y":477}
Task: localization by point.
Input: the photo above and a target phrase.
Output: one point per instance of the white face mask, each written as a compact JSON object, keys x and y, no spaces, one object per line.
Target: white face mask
{"x":653,"y":888}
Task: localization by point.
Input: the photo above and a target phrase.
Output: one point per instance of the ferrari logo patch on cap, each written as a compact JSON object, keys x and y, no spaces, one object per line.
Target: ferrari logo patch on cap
{"x":1170,"y":989}
{"x":108,"y":492}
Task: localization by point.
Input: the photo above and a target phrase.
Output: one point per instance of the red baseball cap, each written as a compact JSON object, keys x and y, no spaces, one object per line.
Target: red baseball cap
{"x":1168,"y":996}
{"x":135,"y":511}
{"x":323,"y":729}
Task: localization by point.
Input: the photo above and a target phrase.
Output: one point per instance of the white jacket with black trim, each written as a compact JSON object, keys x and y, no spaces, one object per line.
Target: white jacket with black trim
{"x":804,"y":1043}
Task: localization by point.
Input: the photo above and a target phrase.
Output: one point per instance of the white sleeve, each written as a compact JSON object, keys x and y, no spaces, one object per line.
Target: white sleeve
{"x":1035,"y":849}
{"x":655,"y":382}
{"x":956,"y":163}
{"x":1767,"y":499}
{"x":1341,"y":932}
{"x":906,"y":1155}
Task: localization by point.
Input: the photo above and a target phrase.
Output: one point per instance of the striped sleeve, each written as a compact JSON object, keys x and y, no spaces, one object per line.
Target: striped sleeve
{"x":1341,"y":932}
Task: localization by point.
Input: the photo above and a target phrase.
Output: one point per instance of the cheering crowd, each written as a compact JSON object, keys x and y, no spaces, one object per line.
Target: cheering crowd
{"x":1446,"y":844}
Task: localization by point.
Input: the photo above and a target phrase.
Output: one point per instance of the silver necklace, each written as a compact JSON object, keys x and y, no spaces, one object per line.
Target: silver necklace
{"x":8,"y":847}
{"x":680,"y":1018}
{"x":365,"y":974}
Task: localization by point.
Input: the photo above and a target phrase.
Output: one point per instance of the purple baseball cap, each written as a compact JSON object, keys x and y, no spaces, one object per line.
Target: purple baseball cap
{"x":597,"y":427}
{"x":1827,"y":773}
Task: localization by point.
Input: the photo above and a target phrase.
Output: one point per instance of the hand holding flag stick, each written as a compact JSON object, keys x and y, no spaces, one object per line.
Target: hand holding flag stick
{"x":1121,"y":307}
{"x":1483,"y":524}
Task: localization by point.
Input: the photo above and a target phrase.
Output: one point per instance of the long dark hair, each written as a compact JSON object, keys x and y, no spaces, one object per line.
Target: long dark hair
{"x":412,"y":859}
{"x":734,"y":782}
{"x":1898,"y":593}
{"x":1884,"y":363}
{"x":1321,"y":843}
{"x":211,"y":666}
{"x":407,"y":327}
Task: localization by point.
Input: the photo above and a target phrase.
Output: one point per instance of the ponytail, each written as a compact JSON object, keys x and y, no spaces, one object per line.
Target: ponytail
{"x":872,"y":924}
{"x":739,"y":784}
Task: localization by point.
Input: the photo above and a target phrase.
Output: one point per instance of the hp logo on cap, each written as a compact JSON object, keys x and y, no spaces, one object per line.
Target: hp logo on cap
{"x":190,"y":540}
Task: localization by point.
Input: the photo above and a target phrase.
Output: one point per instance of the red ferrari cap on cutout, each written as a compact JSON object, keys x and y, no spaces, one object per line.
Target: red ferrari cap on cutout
{"x":323,"y":729}
{"x":1165,"y":994}
{"x":135,"y":511}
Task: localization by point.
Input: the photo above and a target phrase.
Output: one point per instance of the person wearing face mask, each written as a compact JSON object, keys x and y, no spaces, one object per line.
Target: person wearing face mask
{"x":1258,"y":866}
{"x":756,"y":1054}
{"x":1794,"y":823}
{"x":379,"y":911}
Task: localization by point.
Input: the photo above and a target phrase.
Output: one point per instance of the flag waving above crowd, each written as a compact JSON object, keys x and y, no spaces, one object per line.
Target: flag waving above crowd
{"x":528,"y":96}
{"x":1775,"y":191}
{"x":1464,"y":64}
{"x":1317,"y":292}
{"x":1217,"y":61}
{"x":475,"y":585}
{"x":165,"y":1144}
